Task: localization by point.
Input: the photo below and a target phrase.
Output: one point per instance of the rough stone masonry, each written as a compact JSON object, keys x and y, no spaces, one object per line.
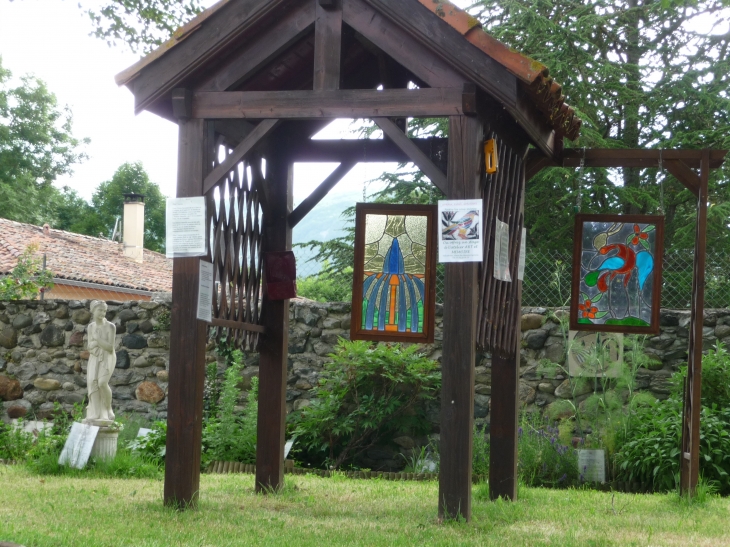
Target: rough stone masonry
{"x":43,"y":355}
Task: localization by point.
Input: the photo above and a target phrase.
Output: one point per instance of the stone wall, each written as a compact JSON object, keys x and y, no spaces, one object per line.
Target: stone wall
{"x":43,"y":355}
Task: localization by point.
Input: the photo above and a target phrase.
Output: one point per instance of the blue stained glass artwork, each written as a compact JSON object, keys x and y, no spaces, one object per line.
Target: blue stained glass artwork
{"x":393,"y":265}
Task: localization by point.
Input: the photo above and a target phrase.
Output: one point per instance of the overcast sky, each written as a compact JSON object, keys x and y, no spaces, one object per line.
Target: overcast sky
{"x":50,"y":39}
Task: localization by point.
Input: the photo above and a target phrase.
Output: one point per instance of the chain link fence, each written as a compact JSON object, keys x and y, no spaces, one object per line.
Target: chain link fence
{"x":548,"y":276}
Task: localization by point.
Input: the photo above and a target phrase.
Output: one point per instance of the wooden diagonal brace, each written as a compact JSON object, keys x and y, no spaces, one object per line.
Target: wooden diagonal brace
{"x":423,"y":162}
{"x":684,"y":174}
{"x":320,"y":192}
{"x":244,"y":147}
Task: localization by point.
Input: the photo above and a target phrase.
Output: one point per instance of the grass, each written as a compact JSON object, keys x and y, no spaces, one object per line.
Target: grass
{"x":71,"y":511}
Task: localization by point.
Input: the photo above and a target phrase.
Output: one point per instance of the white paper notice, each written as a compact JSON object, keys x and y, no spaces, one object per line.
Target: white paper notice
{"x":185,"y":227}
{"x":501,"y":251}
{"x":523,"y":253}
{"x":205,"y":292}
{"x":78,"y":445}
{"x":461,"y":230}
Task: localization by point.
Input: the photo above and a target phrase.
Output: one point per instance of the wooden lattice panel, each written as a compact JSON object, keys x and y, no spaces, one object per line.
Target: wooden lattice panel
{"x":235,"y":218}
{"x":499,"y":301}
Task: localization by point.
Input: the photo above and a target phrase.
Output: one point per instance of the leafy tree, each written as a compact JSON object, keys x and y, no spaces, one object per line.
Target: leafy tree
{"x":141,"y":24}
{"x":27,"y":278}
{"x":641,"y":74}
{"x":36,"y":146}
{"x":107,"y":204}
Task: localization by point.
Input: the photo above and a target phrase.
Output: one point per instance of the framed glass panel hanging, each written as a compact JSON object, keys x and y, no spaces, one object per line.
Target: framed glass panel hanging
{"x":394,"y":287}
{"x":617,"y":273}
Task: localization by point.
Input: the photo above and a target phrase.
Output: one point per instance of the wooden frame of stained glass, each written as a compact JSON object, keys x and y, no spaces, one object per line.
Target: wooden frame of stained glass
{"x":394,"y":283}
{"x":617,"y":273}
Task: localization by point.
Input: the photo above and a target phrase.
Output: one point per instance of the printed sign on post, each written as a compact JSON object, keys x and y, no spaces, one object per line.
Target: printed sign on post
{"x":501,"y":251}
{"x":185,"y":227}
{"x":461,"y":235}
{"x":205,"y":292}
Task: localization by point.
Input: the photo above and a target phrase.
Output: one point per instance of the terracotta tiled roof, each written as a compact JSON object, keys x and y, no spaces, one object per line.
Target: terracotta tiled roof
{"x":545,"y":91}
{"x":84,"y":258}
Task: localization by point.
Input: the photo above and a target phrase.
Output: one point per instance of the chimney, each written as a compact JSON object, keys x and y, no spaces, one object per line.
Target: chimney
{"x":133,"y":237}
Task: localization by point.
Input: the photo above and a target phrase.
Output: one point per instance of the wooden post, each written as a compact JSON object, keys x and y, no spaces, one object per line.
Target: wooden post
{"x":187,"y":340}
{"x":690,"y":455}
{"x":459,"y":345}
{"x":274,"y":343}
{"x":327,"y":45}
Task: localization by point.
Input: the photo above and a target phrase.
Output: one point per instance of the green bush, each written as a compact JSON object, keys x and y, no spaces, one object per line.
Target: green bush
{"x":229,"y":435}
{"x":326,"y":287}
{"x":651,"y":449}
{"x":480,"y":451}
{"x":151,"y":447}
{"x":715,"y":378}
{"x":542,"y":459}
{"x":368,"y":394}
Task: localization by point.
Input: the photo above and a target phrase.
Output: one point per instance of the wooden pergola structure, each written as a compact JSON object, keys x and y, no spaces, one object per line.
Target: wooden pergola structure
{"x":249,"y":82}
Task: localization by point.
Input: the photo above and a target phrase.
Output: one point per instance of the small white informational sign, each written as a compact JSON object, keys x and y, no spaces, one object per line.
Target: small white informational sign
{"x":205,"y":292}
{"x":592,"y":465}
{"x":185,"y":227}
{"x":501,"y":251}
{"x":460,"y":226}
{"x":78,"y":445}
{"x":287,"y":446}
{"x":523,"y":254}
{"x":143,"y":432}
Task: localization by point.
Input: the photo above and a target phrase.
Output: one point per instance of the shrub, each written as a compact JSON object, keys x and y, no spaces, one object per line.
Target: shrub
{"x":542,"y":459}
{"x":715,"y":378}
{"x":230,"y":435}
{"x":151,"y":447}
{"x":651,"y":451}
{"x":480,"y":451}
{"x":367,"y":394}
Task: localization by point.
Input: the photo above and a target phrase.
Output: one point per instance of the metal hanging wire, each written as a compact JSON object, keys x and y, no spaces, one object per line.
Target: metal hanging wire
{"x":579,"y":198}
{"x":660,"y":176}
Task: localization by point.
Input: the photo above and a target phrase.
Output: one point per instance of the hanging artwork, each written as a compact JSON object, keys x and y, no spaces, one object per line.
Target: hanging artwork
{"x":617,"y":273}
{"x":394,"y":287}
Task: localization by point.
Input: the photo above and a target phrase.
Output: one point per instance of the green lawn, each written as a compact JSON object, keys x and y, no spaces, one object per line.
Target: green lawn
{"x":70,"y":511}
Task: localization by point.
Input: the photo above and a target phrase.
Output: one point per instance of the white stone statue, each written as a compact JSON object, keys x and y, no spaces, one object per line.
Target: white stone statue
{"x":102,"y":360}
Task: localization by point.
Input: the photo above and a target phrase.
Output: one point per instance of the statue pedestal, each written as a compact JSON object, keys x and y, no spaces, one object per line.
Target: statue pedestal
{"x":105,"y":445}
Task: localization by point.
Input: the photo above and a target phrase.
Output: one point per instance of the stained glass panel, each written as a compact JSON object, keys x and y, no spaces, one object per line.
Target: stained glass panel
{"x":617,"y":273}
{"x":393,"y":289}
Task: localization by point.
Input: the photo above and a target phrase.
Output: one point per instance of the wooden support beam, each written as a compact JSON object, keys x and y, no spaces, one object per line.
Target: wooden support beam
{"x":684,"y":174}
{"x":466,"y":136}
{"x":182,"y":103}
{"x":283,"y":32}
{"x":622,"y":157}
{"x":319,"y":193}
{"x":445,"y":41}
{"x":401,"y":46}
{"x":347,"y":103}
{"x":327,"y":45}
{"x":259,"y":133}
{"x":274,"y":342}
{"x":151,"y":82}
{"x":367,"y":150}
{"x":401,"y":140}
{"x":689,"y":467}
{"x":188,"y":340}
